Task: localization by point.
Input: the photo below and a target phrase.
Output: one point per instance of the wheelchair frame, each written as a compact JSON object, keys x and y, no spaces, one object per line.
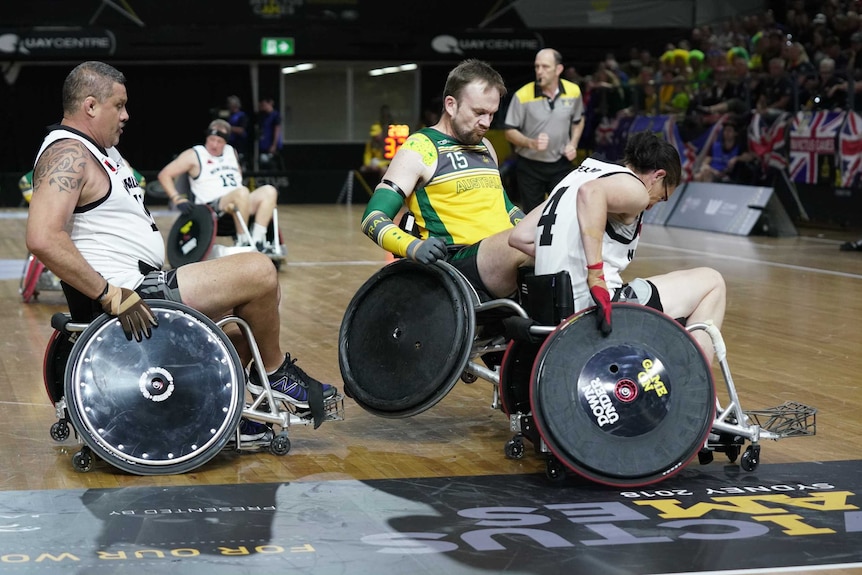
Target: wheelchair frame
{"x":731,"y":427}
{"x":727,"y":429}
{"x":260,"y":406}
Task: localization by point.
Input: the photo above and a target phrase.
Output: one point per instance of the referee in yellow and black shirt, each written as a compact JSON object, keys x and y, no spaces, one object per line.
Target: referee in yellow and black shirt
{"x":544,"y":123}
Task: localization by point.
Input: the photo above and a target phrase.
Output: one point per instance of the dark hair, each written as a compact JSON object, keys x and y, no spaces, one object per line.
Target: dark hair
{"x":646,"y":151}
{"x":95,"y":79}
{"x":472,"y":70}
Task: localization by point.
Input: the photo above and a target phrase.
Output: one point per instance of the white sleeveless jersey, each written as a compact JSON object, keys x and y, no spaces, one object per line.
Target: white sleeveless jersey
{"x":558,"y":235}
{"x":219,"y":174}
{"x":117,"y":231}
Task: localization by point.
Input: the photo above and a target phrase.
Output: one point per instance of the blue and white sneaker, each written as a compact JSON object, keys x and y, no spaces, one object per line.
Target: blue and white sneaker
{"x":253,"y":431}
{"x":289,"y":383}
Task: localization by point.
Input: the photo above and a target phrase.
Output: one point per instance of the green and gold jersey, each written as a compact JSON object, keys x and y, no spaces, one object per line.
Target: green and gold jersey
{"x":464,"y":201}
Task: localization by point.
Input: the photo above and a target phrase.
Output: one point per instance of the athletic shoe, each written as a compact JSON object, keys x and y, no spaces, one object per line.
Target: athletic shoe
{"x":252,"y":430}
{"x":289,"y":382}
{"x":265,"y":248}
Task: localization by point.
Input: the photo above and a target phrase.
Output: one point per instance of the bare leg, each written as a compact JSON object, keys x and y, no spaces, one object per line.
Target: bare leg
{"x":235,"y":201}
{"x":498,"y":264}
{"x":261,"y":203}
{"x":245,"y":285}
{"x":698,"y":294}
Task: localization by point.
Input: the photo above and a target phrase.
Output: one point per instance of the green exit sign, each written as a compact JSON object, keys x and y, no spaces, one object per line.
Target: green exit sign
{"x":277,"y":46}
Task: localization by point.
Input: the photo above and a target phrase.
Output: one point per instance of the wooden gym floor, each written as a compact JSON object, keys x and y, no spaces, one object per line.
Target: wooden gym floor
{"x":793,"y":330}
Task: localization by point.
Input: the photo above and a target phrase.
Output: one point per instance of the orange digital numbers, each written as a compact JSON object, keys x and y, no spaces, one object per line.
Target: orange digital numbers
{"x":395,"y":136}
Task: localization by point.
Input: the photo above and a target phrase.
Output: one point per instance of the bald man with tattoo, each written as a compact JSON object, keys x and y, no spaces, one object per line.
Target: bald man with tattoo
{"x":88,"y":224}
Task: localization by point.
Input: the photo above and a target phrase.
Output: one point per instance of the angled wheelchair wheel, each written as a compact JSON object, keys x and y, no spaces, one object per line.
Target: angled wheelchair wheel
{"x":406,"y":337}
{"x":167,"y":404}
{"x":628,"y":409}
{"x":192,"y":236}
{"x":29,"y":285}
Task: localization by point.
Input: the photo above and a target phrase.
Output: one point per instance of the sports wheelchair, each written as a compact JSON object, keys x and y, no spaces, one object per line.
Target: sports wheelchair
{"x":192,"y":236}
{"x":629,"y":409}
{"x":167,"y":404}
{"x":35,"y":279}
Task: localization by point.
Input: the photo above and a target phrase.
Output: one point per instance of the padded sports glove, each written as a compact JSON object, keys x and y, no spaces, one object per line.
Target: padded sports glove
{"x":427,"y":251}
{"x":599,"y":291}
{"x":184,"y":206}
{"x":134,"y":314}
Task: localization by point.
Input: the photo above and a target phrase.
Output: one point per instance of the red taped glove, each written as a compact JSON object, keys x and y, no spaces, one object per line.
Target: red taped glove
{"x":599,"y":291}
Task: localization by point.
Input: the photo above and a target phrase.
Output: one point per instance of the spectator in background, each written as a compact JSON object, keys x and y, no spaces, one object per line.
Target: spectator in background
{"x":775,"y":91}
{"x":238,"y":121}
{"x":828,"y":94}
{"x":270,"y":141}
{"x":726,"y":157}
{"x":801,"y":70}
{"x":854,"y":73}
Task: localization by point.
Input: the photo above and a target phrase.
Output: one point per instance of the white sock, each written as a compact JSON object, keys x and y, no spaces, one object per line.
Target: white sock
{"x":243,"y":239}
{"x":258,"y":233}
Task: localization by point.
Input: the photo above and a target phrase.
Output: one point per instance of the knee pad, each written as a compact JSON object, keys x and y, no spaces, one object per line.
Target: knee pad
{"x":641,"y":291}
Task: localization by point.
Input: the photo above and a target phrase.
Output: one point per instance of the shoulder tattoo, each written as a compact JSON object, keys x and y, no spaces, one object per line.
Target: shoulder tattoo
{"x":61,"y":167}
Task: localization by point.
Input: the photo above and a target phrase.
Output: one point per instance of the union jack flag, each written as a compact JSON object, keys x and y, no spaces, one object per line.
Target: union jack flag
{"x":812,"y":137}
{"x":850,"y":149}
{"x":766,"y":140}
{"x":611,"y":138}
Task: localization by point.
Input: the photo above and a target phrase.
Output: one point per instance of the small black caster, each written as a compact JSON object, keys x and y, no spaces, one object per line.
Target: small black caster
{"x":751,"y":458}
{"x":732,"y":453}
{"x":83,"y":460}
{"x":554,"y":470}
{"x":60,"y":431}
{"x":468,"y":377}
{"x":280,"y":444}
{"x":705,"y":456}
{"x":514,"y":448}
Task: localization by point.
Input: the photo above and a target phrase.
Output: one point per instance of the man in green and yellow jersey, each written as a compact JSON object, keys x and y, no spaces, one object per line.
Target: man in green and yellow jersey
{"x":448,"y":177}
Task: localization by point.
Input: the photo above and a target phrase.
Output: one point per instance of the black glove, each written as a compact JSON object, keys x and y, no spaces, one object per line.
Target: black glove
{"x":599,"y":291}
{"x":427,"y":251}
{"x":184,"y":206}
{"x":134,"y":314}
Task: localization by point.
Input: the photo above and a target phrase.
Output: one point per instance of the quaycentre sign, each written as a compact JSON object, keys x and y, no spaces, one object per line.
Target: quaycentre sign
{"x":55,"y":43}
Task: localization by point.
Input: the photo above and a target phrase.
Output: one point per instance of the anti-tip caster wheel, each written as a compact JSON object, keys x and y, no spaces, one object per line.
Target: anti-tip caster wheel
{"x":554,"y":470}
{"x":732,"y":453}
{"x":82,"y":461}
{"x":751,"y":458}
{"x":704,"y":456}
{"x":60,"y":431}
{"x":280,"y":444}
{"x":514,"y":448}
{"x":468,"y":377}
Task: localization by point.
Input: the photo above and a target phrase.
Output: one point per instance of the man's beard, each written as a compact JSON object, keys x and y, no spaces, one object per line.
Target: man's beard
{"x":466,"y":135}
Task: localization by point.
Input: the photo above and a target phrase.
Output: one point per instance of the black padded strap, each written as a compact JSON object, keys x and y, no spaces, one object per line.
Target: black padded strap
{"x":395,"y":187}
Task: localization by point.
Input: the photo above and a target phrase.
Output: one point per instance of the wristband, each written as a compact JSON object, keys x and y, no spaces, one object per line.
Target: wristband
{"x":104,"y":292}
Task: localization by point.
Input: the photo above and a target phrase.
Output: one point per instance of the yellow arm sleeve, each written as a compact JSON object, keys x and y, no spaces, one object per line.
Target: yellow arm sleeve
{"x":377,"y":222}
{"x":380,"y":228}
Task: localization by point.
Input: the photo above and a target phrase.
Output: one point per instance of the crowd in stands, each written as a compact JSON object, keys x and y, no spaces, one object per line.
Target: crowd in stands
{"x":805,"y":59}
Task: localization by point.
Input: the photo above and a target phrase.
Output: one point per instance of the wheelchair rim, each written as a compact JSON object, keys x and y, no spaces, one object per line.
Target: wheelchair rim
{"x":148,"y":419}
{"x":654,"y":433}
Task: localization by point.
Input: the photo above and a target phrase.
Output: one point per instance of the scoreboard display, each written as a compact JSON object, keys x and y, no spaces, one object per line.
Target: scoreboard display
{"x":395,"y":136}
